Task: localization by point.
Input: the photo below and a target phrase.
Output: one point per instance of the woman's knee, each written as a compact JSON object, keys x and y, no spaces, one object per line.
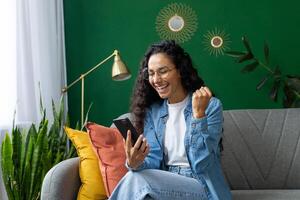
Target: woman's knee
{"x":133,"y":177}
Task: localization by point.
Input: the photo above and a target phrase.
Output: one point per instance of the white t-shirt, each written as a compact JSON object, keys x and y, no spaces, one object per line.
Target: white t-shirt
{"x":174,"y":135}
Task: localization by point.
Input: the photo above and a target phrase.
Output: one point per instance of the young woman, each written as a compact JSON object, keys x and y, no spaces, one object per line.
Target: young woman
{"x":178,"y":154}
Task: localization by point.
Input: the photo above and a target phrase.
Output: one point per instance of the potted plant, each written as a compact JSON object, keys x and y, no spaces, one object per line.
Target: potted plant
{"x":27,"y":155}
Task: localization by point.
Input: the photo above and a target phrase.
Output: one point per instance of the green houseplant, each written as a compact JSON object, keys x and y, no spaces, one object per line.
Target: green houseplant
{"x":28,"y":155}
{"x":289,"y":83}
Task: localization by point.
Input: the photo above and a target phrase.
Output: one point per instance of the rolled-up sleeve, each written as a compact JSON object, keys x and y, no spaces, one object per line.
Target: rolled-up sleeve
{"x":154,"y":158}
{"x":205,"y":136}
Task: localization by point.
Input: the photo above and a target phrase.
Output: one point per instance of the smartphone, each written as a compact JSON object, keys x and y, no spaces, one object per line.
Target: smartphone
{"x":123,"y":125}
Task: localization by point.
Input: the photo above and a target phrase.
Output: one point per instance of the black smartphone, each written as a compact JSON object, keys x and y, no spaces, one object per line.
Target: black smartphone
{"x":123,"y":125}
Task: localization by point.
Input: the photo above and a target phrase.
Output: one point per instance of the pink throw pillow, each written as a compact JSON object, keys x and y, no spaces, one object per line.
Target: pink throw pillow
{"x":109,"y":147}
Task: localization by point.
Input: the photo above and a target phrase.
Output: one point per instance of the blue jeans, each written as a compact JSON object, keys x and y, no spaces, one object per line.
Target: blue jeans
{"x":177,"y":184}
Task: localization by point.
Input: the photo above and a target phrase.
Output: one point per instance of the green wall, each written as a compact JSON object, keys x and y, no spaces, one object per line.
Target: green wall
{"x":94,"y":28}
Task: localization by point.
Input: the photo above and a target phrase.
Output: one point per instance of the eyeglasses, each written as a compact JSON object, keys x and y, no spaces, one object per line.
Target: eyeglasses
{"x":161,"y":72}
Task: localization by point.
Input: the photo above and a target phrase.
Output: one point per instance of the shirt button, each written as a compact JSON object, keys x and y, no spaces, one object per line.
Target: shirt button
{"x":193,"y":125}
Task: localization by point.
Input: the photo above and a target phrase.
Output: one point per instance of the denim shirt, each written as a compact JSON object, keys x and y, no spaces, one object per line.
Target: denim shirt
{"x":201,"y":144}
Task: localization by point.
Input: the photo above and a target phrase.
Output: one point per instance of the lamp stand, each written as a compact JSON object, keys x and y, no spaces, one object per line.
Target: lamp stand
{"x":120,"y":72}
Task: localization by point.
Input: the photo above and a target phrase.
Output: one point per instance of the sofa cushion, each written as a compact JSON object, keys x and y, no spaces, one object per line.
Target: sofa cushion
{"x":92,"y":186}
{"x":109,"y":147}
{"x":262,"y":149}
{"x":266,"y":194}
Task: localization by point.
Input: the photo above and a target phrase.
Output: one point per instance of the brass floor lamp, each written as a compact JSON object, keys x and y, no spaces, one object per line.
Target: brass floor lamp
{"x":119,"y":73}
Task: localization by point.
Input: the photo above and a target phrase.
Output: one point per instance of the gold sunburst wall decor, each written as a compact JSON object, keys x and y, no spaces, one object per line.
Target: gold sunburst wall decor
{"x":177,"y":22}
{"x":216,"y":42}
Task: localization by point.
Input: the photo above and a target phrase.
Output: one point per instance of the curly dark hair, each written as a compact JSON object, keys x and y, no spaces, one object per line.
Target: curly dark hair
{"x":144,"y":94}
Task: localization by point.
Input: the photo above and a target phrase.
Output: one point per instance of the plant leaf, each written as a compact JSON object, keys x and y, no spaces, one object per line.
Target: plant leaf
{"x":274,"y":90}
{"x":277,"y":73}
{"x":36,"y":158}
{"x":54,"y":110}
{"x":23,"y":154}
{"x":243,"y":58}
{"x":77,"y":126}
{"x":7,"y":165}
{"x":293,"y":82}
{"x":16,"y":157}
{"x":266,"y":53}
{"x":250,"y":67}
{"x":292,"y":92}
{"x":291,"y":98}
{"x":262,"y":82}
{"x":246,"y":44}
{"x":86,"y":116}
{"x":61,"y":116}
{"x":235,"y":54}
{"x":41,"y":100}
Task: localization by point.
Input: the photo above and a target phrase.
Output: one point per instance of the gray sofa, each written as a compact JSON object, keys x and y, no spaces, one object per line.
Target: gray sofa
{"x":261,"y":158}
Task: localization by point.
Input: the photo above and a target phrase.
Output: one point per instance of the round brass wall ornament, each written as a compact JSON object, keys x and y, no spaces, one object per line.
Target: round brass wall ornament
{"x":216,"y":42}
{"x":177,"y":22}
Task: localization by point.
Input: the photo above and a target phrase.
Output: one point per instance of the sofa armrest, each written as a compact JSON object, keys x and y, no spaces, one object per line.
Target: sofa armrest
{"x":62,"y":181}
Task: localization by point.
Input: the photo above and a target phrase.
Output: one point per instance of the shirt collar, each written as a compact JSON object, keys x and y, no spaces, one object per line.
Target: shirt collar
{"x":164,"y":108}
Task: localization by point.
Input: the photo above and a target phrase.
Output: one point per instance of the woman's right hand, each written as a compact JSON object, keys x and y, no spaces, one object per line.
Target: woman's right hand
{"x":137,"y":153}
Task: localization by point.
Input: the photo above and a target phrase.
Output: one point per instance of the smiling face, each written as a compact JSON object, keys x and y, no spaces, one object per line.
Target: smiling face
{"x":165,"y":78}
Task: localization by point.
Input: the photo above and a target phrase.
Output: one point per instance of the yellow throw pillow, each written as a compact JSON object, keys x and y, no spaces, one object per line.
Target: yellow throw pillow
{"x":92,"y":184}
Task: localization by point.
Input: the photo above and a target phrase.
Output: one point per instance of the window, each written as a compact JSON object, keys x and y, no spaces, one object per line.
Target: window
{"x":7,"y":61}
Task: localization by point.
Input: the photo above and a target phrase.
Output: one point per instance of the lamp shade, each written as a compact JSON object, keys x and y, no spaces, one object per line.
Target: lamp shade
{"x":119,"y":73}
{"x":119,"y":69}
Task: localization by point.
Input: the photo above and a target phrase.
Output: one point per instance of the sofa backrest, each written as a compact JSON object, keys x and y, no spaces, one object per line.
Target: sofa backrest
{"x":262,"y":148}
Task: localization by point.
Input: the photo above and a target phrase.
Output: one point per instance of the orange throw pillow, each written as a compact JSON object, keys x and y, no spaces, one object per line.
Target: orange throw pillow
{"x":109,"y":147}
